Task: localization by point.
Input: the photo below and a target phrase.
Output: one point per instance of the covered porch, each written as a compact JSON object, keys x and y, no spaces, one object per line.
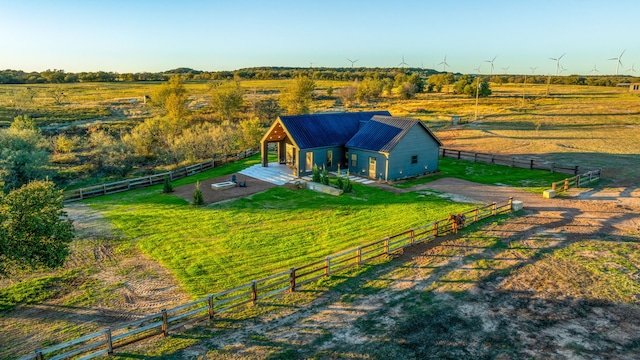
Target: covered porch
{"x":285,"y":148}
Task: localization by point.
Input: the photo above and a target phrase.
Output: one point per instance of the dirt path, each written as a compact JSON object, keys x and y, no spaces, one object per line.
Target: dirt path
{"x":333,"y":326}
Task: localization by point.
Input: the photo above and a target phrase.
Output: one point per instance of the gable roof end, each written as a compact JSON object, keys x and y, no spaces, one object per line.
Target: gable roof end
{"x":383,"y":133}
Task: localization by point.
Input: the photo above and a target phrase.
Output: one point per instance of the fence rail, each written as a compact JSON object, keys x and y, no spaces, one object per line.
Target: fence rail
{"x":576,"y":181}
{"x":105,"y":341}
{"x":513,"y":161}
{"x":155,"y":179}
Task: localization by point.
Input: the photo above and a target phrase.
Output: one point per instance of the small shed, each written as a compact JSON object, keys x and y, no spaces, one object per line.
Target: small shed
{"x":634,"y":87}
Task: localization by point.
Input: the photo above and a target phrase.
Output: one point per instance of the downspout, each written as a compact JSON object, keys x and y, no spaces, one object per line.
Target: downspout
{"x":386,"y":172}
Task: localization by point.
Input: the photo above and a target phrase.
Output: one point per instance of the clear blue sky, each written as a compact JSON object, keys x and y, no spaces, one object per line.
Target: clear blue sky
{"x":146,"y":35}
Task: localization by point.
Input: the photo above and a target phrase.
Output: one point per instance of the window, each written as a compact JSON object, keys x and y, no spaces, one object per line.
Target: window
{"x":329,"y":158}
{"x":309,"y":162}
{"x":354,"y":160}
{"x":414,"y":159}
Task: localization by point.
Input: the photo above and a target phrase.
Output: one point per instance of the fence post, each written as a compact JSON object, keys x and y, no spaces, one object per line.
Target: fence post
{"x":553,"y":186}
{"x":511,"y":203}
{"x":186,"y":171}
{"x":566,"y":185}
{"x":475,"y":215}
{"x":165,"y":323}
{"x":553,"y":167}
{"x":458,"y":154}
{"x":210,"y":303}
{"x":493,"y":159}
{"x":493,"y":208}
{"x":39,"y":354}
{"x":80,"y":194}
{"x":150,"y":180}
{"x":435,"y":228}
{"x":213,"y":162}
{"x":444,"y":151}
{"x":590,"y":177}
{"x":531,"y":165}
{"x":575,"y":171}
{"x":292,"y":279}
{"x":171,"y":176}
{"x":411,"y":237}
{"x":577,"y":181}
{"x":475,"y":157}
{"x":128,"y":185}
{"x":327,"y":265}
{"x":386,"y":245}
{"x":359,"y":254}
{"x":104,"y":189}
{"x":513,"y":161}
{"x":254,"y":291}
{"x":107,"y":334}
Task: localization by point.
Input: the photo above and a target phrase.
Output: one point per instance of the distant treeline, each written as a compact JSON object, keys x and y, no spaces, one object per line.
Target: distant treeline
{"x":278,"y":73}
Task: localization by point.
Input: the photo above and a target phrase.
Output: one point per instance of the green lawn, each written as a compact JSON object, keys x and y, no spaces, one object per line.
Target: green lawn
{"x":536,"y":180}
{"x":222,"y":246}
{"x":214,"y":248}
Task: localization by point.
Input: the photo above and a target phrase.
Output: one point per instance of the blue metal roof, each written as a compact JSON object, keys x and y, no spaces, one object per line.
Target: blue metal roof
{"x":331,"y":129}
{"x":383,"y":133}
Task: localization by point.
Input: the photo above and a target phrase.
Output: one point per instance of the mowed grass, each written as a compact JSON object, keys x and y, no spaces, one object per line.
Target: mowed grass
{"x":219,"y":247}
{"x":534,"y":180}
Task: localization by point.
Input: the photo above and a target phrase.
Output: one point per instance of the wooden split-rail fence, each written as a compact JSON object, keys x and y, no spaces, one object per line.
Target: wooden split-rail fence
{"x":155,"y":179}
{"x":576,"y":181}
{"x":588,"y":176}
{"x":172,"y":320}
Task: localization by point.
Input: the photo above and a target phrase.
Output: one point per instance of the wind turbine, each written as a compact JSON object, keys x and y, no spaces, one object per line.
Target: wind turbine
{"x":353,"y":61}
{"x":533,"y":70}
{"x":557,"y":60}
{"x":491,"y":67}
{"x":594,"y":70}
{"x":505,"y":69}
{"x":619,"y":63}
{"x":403,"y":63}
{"x":563,"y":69}
{"x":444,"y":64}
{"x":632,"y":70}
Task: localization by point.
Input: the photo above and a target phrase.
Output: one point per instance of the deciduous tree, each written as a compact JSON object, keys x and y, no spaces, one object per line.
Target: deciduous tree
{"x":226,"y":99}
{"x":23,"y":153}
{"x":297,"y":98}
{"x":34,"y":229}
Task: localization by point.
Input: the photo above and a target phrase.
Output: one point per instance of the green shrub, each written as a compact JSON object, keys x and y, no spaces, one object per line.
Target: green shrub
{"x":166,"y":186}
{"x":316,"y":174}
{"x":198,"y":199}
{"x":324,"y":178}
{"x":346,"y":186}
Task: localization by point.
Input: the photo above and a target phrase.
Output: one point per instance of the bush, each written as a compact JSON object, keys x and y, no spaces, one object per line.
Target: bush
{"x":324,"y":177}
{"x":167,"y":187}
{"x":316,"y":174}
{"x":198,"y":199}
{"x":347,"y":187}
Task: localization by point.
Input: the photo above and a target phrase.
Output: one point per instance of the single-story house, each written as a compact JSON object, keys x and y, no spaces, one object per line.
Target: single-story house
{"x":370,"y":144}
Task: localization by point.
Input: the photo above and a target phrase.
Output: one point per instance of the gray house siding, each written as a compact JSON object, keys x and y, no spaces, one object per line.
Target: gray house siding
{"x":415,"y":143}
{"x":319,"y":158}
{"x":362,"y":168}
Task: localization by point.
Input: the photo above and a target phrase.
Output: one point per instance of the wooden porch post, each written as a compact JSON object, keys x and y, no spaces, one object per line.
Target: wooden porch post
{"x":265,"y":154}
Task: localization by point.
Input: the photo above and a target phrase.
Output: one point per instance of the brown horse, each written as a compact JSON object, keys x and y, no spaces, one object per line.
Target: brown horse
{"x":457,"y":222}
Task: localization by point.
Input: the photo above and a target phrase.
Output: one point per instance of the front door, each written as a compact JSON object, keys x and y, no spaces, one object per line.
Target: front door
{"x":291,"y":155}
{"x":372,"y":167}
